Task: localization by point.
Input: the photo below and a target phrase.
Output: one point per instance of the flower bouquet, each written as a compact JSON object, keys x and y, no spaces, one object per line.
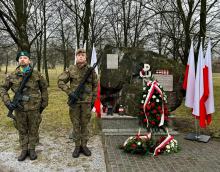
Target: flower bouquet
{"x":166,"y":145}
{"x":139,"y":144}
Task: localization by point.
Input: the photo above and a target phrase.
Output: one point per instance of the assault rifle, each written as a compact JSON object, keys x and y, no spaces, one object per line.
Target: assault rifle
{"x":18,"y":97}
{"x":75,"y":95}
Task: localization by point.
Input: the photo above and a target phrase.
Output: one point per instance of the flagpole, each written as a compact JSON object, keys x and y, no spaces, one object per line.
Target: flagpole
{"x":200,"y":91}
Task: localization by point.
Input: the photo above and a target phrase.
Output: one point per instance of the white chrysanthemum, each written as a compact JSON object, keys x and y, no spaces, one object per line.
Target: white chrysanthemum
{"x":142,"y":101}
{"x":144,"y":88}
{"x":165,"y":98}
{"x":144,"y":95}
{"x":153,"y":96}
{"x":167,"y":146}
{"x":138,"y":143}
{"x":172,"y":145}
{"x":168,"y":150}
{"x":157,"y":100}
{"x":175,"y":141}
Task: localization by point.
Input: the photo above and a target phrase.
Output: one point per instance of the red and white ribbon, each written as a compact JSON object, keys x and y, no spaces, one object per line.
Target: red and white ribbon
{"x":154,"y":86}
{"x":163,"y":144}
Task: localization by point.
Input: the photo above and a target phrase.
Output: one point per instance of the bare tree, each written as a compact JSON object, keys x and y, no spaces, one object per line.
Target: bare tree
{"x":14,"y":15}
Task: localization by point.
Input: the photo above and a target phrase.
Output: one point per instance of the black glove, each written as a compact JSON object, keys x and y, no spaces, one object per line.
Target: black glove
{"x":10,"y":106}
{"x":41,"y":109}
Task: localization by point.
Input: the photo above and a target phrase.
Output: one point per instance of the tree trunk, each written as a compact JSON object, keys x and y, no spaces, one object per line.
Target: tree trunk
{"x":21,"y":25}
{"x":86,"y":22}
{"x":202,"y":31}
{"x":186,"y":21}
{"x":45,"y":43}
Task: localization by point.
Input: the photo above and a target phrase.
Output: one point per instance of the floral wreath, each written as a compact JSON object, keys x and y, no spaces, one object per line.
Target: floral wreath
{"x":153,"y":112}
{"x":145,"y":145}
{"x":139,"y":144}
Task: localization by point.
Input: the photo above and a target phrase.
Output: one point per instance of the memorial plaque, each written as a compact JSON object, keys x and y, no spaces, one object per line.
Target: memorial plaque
{"x":165,"y":80}
{"x":112,"y":61}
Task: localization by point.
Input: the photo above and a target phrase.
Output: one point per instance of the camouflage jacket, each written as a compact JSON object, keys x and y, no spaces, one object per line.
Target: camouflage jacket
{"x":70,"y":79}
{"x":35,"y":93}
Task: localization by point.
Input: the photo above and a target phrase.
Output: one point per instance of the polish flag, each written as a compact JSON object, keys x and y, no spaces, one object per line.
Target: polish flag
{"x":209,"y":104}
{"x":201,"y":90}
{"x":189,"y":79}
{"x":97,"y":103}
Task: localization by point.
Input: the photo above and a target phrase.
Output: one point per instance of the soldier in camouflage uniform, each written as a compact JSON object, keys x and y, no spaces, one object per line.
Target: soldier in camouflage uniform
{"x":80,"y":115}
{"x":34,"y":100}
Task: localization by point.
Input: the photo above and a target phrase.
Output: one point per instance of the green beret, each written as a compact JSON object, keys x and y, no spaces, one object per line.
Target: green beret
{"x":22,"y":53}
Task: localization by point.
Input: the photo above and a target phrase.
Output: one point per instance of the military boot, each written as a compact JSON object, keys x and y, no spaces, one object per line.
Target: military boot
{"x":76,"y":152}
{"x":23,"y":155}
{"x":85,"y":150}
{"x":32,"y":154}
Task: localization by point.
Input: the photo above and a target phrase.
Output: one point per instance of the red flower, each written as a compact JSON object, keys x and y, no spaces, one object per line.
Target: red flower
{"x":147,"y":114}
{"x":166,"y":112}
{"x":145,"y":120}
{"x":153,"y":123}
{"x":159,"y":108}
{"x":155,"y":111}
{"x":148,"y":107}
{"x":158,"y":117}
{"x":153,"y":105}
{"x":166,"y":118}
{"x":133,"y":146}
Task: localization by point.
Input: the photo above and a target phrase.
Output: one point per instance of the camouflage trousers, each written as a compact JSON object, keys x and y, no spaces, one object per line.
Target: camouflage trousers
{"x":80,"y":116}
{"x":27,"y":123}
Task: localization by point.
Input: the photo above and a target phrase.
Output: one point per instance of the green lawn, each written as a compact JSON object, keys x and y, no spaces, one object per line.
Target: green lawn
{"x":56,"y":118}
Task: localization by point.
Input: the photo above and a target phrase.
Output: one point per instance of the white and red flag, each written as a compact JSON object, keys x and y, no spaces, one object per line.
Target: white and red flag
{"x":203,"y":86}
{"x":189,"y":79}
{"x":97,"y":104}
{"x":199,"y":89}
{"x":209,"y":104}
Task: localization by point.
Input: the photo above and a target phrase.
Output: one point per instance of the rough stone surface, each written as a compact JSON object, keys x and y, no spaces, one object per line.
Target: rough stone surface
{"x":126,"y":77}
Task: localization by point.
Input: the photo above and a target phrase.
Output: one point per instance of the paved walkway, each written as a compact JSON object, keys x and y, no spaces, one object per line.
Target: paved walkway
{"x":193,"y":157}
